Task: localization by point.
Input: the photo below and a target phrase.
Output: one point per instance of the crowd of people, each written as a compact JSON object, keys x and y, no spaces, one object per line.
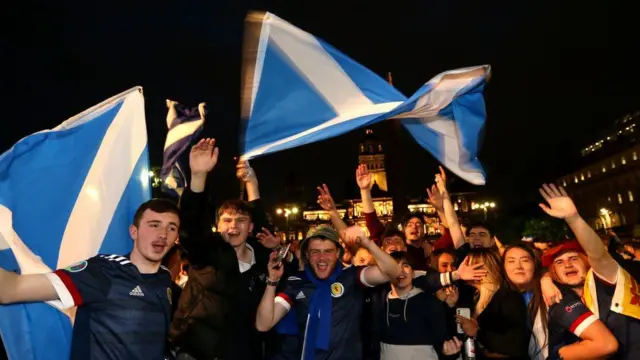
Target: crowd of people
{"x":186,"y":292}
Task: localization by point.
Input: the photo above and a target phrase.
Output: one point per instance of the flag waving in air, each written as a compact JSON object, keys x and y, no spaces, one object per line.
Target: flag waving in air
{"x":67,"y":194}
{"x":297,"y":89}
{"x":184,"y":125}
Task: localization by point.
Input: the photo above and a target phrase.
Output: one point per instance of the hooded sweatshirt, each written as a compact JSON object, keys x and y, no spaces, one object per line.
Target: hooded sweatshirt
{"x":412,"y":326}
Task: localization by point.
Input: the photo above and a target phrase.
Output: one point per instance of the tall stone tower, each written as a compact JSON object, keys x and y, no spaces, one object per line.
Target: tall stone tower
{"x":371,"y":153}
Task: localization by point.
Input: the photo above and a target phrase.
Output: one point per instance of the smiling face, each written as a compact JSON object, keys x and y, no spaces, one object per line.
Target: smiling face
{"x":155,"y":234}
{"x":323,"y":256}
{"x":405,"y":279}
{"x":519,"y":267}
{"x":446,"y":263}
{"x":570,"y":269}
{"x":480,"y":237}
{"x":235,"y":227}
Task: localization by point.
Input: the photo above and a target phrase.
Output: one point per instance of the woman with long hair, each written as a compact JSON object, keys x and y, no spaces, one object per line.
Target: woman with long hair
{"x":499,"y":321}
{"x":523,"y":271}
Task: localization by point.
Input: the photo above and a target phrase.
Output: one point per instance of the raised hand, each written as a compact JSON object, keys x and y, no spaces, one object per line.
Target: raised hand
{"x":267,"y":239}
{"x":560,"y":204}
{"x":325,"y":200}
{"x":275,"y":267}
{"x":203,"y":156}
{"x":471,"y":272}
{"x":441,"y":185}
{"x":354,"y":236}
{"x":435,"y":198}
{"x":244,"y":172}
{"x":363,"y":177}
{"x":453,"y":294}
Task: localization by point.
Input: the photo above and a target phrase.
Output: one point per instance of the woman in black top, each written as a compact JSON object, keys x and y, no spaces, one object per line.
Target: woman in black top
{"x":499,"y":321}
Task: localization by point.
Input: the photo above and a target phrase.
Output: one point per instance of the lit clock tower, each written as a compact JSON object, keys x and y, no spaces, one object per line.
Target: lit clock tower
{"x":372,"y":154}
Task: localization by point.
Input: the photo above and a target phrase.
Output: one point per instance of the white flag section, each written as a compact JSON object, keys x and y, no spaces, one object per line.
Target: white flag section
{"x":298,"y":89}
{"x":67,"y":194}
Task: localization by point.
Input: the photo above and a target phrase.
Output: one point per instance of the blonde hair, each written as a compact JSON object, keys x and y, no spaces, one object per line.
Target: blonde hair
{"x":491,"y":283}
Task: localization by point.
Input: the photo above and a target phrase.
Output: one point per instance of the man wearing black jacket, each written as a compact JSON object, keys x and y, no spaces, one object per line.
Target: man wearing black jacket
{"x":217,"y":308}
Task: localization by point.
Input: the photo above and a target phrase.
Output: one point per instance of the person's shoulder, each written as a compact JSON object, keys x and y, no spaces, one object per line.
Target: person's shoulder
{"x":110,"y":262}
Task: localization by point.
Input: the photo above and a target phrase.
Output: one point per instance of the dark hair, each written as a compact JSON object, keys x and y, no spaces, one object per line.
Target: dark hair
{"x":391,"y":233}
{"x":159,"y":206}
{"x":403,"y":256}
{"x":235,"y":206}
{"x":435,"y":256}
{"x":416,"y":214}
{"x":537,"y":303}
{"x":480,"y":225}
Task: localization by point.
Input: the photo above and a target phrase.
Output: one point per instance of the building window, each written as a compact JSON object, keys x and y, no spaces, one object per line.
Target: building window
{"x":589,"y":174}
{"x":635,"y":156}
{"x":619,"y":198}
{"x":613,"y":164}
{"x":371,"y":148}
{"x":604,"y":169}
{"x":609,"y":198}
{"x":575,"y":179}
{"x":581,"y":177}
{"x":361,"y":148}
{"x":630,"y":196}
{"x":564,"y":183}
{"x":379,"y":147}
{"x":623,"y":160}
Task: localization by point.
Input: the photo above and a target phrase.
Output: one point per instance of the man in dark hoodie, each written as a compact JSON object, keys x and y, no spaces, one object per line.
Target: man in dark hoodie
{"x":216,"y":311}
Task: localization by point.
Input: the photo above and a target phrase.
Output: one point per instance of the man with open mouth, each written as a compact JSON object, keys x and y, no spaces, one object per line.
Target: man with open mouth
{"x":328,"y":297}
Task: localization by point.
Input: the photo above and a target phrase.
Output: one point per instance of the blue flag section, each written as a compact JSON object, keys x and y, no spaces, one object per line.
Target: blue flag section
{"x":67,"y":194}
{"x":298,"y":89}
{"x":183,"y":124}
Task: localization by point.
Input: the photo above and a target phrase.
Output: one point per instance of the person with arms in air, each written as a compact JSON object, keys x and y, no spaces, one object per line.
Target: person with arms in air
{"x":124,"y":302}
{"x":328,"y":297}
{"x":606,"y":289}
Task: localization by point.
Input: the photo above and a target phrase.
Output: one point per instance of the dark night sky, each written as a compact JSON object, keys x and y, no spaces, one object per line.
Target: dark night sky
{"x":560,"y":74}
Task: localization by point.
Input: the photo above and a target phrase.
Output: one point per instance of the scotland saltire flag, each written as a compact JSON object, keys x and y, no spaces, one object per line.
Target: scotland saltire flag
{"x":298,"y":89}
{"x":184,"y":125}
{"x":67,"y":194}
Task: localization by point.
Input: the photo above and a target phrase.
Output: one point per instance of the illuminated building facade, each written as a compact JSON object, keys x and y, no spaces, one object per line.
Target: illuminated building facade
{"x":371,"y":153}
{"x":605,"y":186}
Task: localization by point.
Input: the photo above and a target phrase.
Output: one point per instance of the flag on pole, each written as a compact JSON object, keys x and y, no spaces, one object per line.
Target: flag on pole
{"x":67,"y":194}
{"x":297,"y":89}
{"x":184,"y":125}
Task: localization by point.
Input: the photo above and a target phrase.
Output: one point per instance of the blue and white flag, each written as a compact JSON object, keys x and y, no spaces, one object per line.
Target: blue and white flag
{"x":67,"y":194}
{"x":297,"y":89}
{"x":184,"y":125}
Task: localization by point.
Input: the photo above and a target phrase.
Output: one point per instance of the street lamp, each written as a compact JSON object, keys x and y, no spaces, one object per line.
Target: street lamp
{"x":485,"y":207}
{"x":287,"y":212}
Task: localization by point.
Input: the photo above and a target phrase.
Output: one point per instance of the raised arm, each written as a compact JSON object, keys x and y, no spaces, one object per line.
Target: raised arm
{"x":386,"y":267}
{"x":365,"y":182}
{"x":562,"y":207}
{"x":15,"y":288}
{"x":272,"y":308}
{"x":325,"y":200}
{"x":449,"y":211}
{"x":194,"y":213}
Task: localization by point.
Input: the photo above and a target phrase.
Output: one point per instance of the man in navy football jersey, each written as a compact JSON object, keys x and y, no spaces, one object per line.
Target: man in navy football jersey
{"x":124,"y":302}
{"x":326,"y":287}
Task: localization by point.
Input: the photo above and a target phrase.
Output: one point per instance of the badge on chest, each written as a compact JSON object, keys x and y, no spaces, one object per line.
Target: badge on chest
{"x":337,"y":289}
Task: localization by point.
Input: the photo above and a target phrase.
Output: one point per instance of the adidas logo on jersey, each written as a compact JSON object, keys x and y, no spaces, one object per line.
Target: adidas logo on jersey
{"x":136,"y":291}
{"x":300,"y":296}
